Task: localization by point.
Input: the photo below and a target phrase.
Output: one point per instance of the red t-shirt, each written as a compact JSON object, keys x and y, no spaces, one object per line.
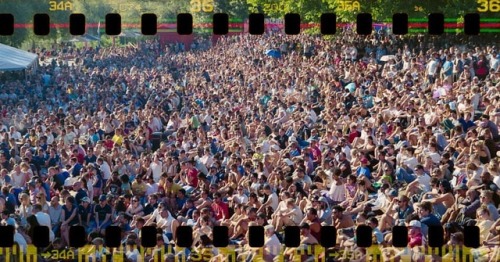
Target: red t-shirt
{"x":192,"y":175}
{"x":415,"y":240}
{"x":353,"y":135}
{"x":221,"y":210}
{"x":316,"y":154}
{"x":108,"y":144}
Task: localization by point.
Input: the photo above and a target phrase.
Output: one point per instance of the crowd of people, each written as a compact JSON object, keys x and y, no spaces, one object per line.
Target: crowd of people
{"x":376,"y":130}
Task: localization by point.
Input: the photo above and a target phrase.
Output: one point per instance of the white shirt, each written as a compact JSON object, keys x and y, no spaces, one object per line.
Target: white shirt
{"x":411,"y":162}
{"x":337,"y":192}
{"x":156,"y":169}
{"x":16,"y":135}
{"x":424,"y":181}
{"x":240,"y":199}
{"x":297,"y":215}
{"x":313,"y":116}
{"x":496,"y":180}
{"x":274,"y":200}
{"x":152,"y":188}
{"x":105,"y":170}
{"x":44,"y":220}
{"x":432,"y":67}
{"x":19,"y":239}
{"x":347,"y":151}
{"x":273,"y":245}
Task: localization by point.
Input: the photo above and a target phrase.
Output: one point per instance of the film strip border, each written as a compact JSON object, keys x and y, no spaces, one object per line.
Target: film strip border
{"x":435,"y":24}
{"x":184,"y":239}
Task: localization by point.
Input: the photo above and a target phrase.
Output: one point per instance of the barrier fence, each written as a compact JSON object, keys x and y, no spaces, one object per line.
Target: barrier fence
{"x":113,"y":249}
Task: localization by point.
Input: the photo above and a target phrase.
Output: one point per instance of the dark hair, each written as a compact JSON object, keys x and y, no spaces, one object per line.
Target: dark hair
{"x":120,"y":206}
{"x":338,"y":208}
{"x":313,"y":211}
{"x":124,"y":179}
{"x":71,"y":199}
{"x":300,"y":189}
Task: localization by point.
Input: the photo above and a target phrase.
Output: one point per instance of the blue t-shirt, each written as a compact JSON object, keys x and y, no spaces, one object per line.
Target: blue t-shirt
{"x":364,"y":171}
{"x":55,"y":161}
{"x":181,"y":202}
{"x":90,"y":159}
{"x":447,"y":68}
{"x":429,"y":221}
{"x":76,"y":170}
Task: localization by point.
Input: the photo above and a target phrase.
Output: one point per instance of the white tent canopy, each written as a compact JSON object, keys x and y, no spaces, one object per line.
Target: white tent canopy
{"x":12,"y":59}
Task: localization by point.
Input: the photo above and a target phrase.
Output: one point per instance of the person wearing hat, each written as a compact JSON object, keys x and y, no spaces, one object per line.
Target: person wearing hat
{"x":99,"y":250}
{"x":102,"y":214}
{"x":85,"y":212}
{"x":415,"y":237}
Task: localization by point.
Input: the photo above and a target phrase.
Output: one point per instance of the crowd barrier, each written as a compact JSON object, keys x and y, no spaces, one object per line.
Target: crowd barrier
{"x":328,"y":246}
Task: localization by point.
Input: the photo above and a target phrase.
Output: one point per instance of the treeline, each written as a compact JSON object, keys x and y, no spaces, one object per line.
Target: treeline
{"x":202,"y":10}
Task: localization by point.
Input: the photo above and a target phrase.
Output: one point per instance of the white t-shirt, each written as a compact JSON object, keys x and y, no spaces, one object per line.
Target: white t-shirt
{"x":432,"y":67}
{"x":152,"y":188}
{"x":105,"y":170}
{"x":44,"y":220}
{"x":240,"y":199}
{"x":297,"y":215}
{"x":274,"y":200}
{"x":337,"y":192}
{"x":273,"y":245}
{"x":156,"y":169}
{"x":411,"y":162}
{"x":496,"y":180}
{"x":424,"y":182}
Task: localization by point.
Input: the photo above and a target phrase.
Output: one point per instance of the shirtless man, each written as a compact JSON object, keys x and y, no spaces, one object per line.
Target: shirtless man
{"x":241,"y":226}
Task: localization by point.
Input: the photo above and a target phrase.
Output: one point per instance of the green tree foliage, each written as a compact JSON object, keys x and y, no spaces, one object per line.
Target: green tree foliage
{"x":167,"y":10}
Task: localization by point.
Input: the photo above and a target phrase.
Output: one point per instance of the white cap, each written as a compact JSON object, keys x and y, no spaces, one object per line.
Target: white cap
{"x":269,"y":227}
{"x":415,"y":223}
